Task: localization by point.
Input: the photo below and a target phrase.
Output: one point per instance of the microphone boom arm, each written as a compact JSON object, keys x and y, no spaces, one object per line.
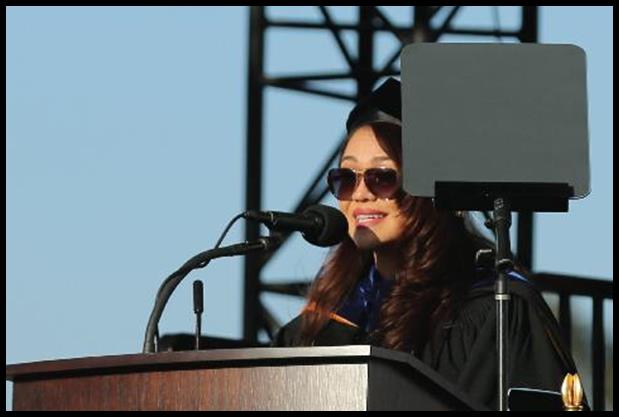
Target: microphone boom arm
{"x":199,"y":261}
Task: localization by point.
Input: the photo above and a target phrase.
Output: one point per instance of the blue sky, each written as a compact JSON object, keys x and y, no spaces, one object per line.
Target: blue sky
{"x":126,"y":151}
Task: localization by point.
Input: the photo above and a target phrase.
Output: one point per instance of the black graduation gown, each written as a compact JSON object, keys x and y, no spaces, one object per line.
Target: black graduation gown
{"x":465,"y":348}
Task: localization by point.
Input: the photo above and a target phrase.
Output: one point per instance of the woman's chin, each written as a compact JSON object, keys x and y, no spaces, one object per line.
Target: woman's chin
{"x":365,"y":239}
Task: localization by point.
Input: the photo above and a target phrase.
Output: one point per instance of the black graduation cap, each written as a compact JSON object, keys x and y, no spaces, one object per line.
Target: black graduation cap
{"x":383,"y":105}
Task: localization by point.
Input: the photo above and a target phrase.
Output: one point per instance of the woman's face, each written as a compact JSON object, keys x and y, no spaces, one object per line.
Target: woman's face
{"x":372,"y":222}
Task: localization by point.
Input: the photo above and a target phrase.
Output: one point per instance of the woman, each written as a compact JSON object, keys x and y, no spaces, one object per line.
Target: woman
{"x":411,"y":278}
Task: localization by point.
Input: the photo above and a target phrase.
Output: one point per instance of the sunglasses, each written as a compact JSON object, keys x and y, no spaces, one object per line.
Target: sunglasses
{"x":382,"y":182}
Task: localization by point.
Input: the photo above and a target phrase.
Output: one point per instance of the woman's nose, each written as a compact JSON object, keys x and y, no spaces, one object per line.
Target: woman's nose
{"x":361,"y":191}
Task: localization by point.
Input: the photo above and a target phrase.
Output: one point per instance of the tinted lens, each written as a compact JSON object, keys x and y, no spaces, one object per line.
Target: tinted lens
{"x":382,"y":182}
{"x":342,"y":182}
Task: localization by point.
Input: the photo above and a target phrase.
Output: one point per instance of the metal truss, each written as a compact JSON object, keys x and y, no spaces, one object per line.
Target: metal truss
{"x":427,"y":24}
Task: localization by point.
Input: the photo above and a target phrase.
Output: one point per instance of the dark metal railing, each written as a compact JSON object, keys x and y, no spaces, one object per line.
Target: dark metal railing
{"x":567,"y":286}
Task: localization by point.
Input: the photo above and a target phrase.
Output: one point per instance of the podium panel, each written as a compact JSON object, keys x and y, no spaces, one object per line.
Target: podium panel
{"x":338,"y":378}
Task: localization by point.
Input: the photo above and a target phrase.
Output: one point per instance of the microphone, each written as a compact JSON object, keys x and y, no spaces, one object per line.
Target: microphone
{"x":320,"y":225}
{"x":198,"y":308}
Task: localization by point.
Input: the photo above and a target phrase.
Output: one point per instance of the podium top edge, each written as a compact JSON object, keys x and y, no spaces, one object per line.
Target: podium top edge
{"x":139,"y":360}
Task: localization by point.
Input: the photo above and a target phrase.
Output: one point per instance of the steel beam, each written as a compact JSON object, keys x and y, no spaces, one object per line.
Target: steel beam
{"x":371,"y":20}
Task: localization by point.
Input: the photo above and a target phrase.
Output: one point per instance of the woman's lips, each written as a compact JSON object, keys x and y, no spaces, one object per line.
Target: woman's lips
{"x":366,"y":218}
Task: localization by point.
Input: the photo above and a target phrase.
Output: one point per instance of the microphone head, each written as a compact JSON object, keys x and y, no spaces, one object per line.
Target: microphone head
{"x":198,"y":296}
{"x":333,"y":229}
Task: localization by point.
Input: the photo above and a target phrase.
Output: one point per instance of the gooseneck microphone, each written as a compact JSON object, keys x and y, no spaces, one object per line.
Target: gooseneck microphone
{"x":320,"y":225}
{"x":199,"y":261}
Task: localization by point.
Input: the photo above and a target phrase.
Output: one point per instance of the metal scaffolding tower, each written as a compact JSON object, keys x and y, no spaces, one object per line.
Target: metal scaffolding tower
{"x":428,"y":24}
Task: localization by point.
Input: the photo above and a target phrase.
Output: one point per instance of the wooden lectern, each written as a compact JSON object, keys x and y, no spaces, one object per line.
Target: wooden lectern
{"x":308,"y":378}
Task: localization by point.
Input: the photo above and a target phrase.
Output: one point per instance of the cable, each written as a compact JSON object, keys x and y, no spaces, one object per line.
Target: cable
{"x":202,"y":264}
{"x":238,"y":216}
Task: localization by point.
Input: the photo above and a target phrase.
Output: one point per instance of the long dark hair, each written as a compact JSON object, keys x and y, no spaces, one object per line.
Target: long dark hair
{"x":438,"y":267}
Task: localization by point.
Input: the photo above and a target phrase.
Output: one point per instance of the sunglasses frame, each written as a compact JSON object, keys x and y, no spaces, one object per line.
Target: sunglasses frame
{"x":368,"y":185}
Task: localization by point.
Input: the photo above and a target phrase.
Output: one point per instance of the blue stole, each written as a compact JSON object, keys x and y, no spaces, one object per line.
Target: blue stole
{"x":362,"y":306}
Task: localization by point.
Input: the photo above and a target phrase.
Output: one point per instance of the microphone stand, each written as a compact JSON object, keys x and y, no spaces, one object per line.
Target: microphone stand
{"x":198,"y":261}
{"x":502,"y":198}
{"x":503,"y":265}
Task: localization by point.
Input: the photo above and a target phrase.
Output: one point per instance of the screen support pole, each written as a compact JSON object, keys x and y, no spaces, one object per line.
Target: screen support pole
{"x":503,"y":265}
